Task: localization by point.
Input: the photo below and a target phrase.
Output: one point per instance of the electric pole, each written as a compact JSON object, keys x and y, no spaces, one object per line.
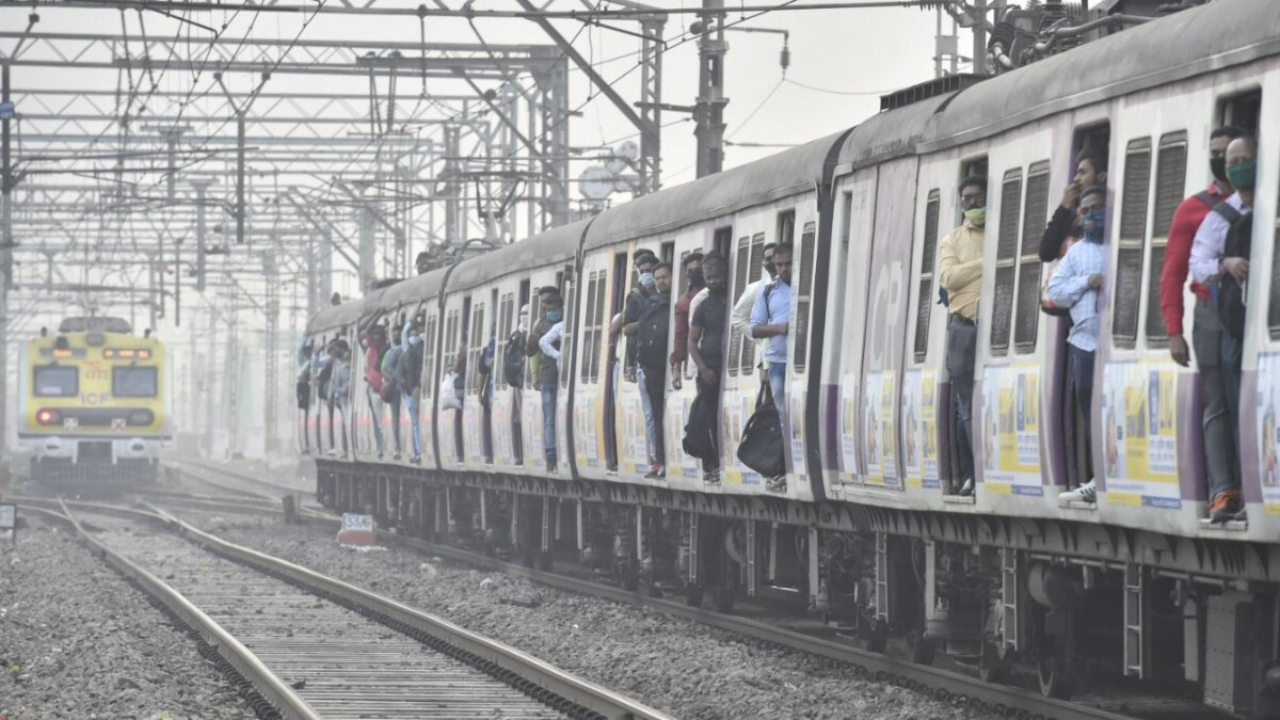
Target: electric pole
{"x":709,"y":111}
{"x":7,"y":182}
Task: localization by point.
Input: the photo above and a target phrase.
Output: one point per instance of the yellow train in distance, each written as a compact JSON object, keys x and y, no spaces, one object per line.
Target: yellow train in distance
{"x":95,"y":404}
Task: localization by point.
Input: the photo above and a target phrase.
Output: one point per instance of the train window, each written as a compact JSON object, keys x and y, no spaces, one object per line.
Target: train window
{"x":565,"y":339}
{"x":429,"y":356}
{"x":56,"y":381}
{"x":924,"y":296}
{"x":588,"y":330}
{"x":1171,"y":179}
{"x":1273,"y":303}
{"x":535,"y":317}
{"x":450,"y":338}
{"x":808,"y":248}
{"x":787,"y":226}
{"x":1242,"y":110}
{"x":479,"y":336}
{"x":133,"y":382}
{"x":1133,"y":230}
{"x":720,"y":241}
{"x":1035,"y":211}
{"x":739,"y":286}
{"x":755,"y":270}
{"x":598,"y":343}
{"x":1006,"y":260}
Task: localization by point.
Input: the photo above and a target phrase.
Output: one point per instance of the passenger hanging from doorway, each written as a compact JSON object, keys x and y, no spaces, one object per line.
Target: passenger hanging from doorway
{"x":322,"y":373}
{"x":706,"y":349}
{"x":302,"y":389}
{"x":1220,"y":261}
{"x":960,"y":274}
{"x":652,"y":348}
{"x":409,"y":377}
{"x":487,"y":358}
{"x":375,"y":347}
{"x":1206,"y":333}
{"x":741,"y":317}
{"x":1064,"y":227}
{"x":771,"y":320}
{"x":692,"y":265}
{"x":513,"y":376}
{"x":340,"y":390}
{"x":633,"y":308}
{"x":391,"y":391}
{"x":544,"y":344}
{"x":1075,"y":285}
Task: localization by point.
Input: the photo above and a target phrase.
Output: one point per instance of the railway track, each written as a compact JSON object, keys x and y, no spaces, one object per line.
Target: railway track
{"x":237,"y":483}
{"x":303,"y":645}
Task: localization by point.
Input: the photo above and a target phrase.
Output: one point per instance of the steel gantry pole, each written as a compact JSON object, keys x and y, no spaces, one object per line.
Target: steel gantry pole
{"x":7,"y":182}
{"x":711,"y":101}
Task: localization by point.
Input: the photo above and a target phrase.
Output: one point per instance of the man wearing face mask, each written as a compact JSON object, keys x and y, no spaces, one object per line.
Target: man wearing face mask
{"x":1075,"y":285}
{"x":960,"y":274}
{"x":409,"y":374}
{"x":651,"y":356}
{"x":1219,"y":260}
{"x":692,"y":265}
{"x":545,"y":339}
{"x":633,"y":307}
{"x":1091,"y":169}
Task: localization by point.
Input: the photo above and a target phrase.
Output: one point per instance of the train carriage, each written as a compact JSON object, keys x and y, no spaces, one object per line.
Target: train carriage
{"x":95,"y":406}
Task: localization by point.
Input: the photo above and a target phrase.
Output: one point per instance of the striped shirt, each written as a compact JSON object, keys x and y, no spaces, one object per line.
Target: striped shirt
{"x":1069,"y":287}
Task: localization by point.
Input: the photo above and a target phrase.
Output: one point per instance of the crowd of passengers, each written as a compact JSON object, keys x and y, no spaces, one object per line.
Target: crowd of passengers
{"x":1209,"y":239}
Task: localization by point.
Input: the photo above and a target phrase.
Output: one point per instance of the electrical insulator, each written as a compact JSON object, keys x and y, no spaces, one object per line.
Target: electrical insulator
{"x":786,"y":58}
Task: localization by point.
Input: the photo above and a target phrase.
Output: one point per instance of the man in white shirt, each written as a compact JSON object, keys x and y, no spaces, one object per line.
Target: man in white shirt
{"x":740,"y":318}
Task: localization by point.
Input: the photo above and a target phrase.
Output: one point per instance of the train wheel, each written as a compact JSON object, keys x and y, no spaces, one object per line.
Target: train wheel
{"x":1057,"y":677}
{"x":877,"y":635}
{"x":993,"y":666}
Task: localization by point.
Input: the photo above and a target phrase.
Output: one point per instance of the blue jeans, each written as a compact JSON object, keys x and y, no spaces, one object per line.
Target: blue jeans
{"x":962,"y":347}
{"x":375,"y":417}
{"x":650,"y":423}
{"x":778,"y":386}
{"x":415,"y":421}
{"x":1082,"y":383}
{"x":549,"y":390}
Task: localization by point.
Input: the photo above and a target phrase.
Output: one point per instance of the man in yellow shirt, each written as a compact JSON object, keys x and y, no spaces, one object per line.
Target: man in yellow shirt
{"x":960,"y":274}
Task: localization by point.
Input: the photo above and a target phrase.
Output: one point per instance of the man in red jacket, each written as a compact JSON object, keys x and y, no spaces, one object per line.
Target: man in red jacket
{"x":1207,"y":328}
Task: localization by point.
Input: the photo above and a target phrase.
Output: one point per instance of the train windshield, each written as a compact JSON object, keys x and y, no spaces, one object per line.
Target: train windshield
{"x":133,"y":382}
{"x":57,"y":381}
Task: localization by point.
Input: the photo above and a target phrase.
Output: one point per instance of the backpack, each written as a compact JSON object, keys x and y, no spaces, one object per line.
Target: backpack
{"x":513,"y":361}
{"x":699,"y":432}
{"x":1231,"y":294}
{"x":389,"y":361}
{"x":326,"y":373}
{"x":651,"y":352}
{"x":409,"y":366}
{"x":303,"y":391}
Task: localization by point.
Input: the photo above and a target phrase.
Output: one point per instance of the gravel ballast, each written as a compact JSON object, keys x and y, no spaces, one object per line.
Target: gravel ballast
{"x":77,"y":641}
{"x":689,"y":670}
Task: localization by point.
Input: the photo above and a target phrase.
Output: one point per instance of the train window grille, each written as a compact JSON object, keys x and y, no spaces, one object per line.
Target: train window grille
{"x":739,"y":285}
{"x":787,"y":226}
{"x":1034,"y":213}
{"x":1134,"y":207}
{"x":598,"y":344}
{"x":924,"y":296}
{"x":506,"y":308}
{"x":451,"y":338}
{"x":475,"y":378}
{"x":566,"y":335}
{"x":1273,"y":301}
{"x":589,"y":330}
{"x":535,"y":317}
{"x":755,"y":271}
{"x":808,"y":248}
{"x":429,"y":355}
{"x":1006,"y":259}
{"x":1171,"y":179}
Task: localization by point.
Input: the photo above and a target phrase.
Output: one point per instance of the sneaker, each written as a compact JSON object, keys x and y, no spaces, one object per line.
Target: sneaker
{"x":1087,"y":492}
{"x":396,"y":457}
{"x":656,"y":471}
{"x":711,"y":477}
{"x":1225,"y":506}
{"x":551,"y":466}
{"x":966,"y":490}
{"x":416,"y":459}
{"x":776,"y":484}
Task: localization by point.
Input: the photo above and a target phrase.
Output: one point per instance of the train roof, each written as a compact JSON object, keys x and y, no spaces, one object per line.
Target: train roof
{"x":1183,"y":45}
{"x":409,"y":292}
{"x":95,"y":324}
{"x":334,"y":317}
{"x":754,"y":183}
{"x":890,"y":134}
{"x":559,"y":244}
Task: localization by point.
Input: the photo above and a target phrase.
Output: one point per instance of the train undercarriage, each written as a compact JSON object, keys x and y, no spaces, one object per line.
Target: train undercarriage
{"x":1067,"y":609}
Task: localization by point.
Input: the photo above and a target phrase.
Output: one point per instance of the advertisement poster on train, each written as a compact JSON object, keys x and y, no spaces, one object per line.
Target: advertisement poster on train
{"x":1010,"y":430}
{"x":879,"y":438}
{"x":919,"y":427}
{"x":849,"y":440}
{"x":1268,"y":433}
{"x":679,"y":464}
{"x":795,"y":418}
{"x":1139,"y":434}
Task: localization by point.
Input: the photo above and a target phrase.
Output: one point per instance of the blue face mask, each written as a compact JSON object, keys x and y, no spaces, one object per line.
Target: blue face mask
{"x":555,"y":315}
{"x":1094,"y":224}
{"x":646,"y":279}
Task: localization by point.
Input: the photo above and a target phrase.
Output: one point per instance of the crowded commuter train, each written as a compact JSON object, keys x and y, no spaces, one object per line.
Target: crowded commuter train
{"x":845,"y":374}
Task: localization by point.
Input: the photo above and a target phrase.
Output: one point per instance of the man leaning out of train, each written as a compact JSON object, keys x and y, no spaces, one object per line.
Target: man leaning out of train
{"x":741,"y":317}
{"x":544,"y":346}
{"x":706,"y":349}
{"x":960,"y":274}
{"x":651,"y":359}
{"x":771,"y":320}
{"x":1206,"y":333}
{"x":1220,"y":261}
{"x":1075,"y":285}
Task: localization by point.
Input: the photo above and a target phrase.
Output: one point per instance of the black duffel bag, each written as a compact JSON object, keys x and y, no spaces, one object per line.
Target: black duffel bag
{"x":698,"y":432}
{"x":761,"y":447}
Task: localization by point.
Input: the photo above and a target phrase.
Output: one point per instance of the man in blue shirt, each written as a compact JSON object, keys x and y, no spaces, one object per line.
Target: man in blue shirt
{"x":1075,"y":285}
{"x":771,"y":319}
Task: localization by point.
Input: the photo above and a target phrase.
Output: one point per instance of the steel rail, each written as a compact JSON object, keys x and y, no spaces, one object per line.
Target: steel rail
{"x":274,"y":690}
